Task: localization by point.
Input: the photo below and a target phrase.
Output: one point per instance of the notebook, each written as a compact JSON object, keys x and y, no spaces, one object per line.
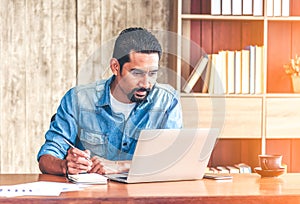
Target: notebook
{"x":170,"y":155}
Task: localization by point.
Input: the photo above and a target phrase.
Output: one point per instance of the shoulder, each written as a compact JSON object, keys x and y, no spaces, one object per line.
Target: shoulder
{"x":89,"y":89}
{"x":164,"y":90}
{"x":88,"y":93}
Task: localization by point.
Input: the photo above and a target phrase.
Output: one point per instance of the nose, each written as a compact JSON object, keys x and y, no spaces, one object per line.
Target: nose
{"x":145,"y":81}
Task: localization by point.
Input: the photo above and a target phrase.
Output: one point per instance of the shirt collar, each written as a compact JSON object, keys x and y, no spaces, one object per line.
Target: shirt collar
{"x":104,"y":99}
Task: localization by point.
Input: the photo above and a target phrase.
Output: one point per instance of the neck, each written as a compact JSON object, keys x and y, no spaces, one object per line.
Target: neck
{"x":118,"y":93}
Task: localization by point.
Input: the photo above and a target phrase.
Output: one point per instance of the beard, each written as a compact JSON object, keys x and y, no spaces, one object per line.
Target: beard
{"x":133,"y":98}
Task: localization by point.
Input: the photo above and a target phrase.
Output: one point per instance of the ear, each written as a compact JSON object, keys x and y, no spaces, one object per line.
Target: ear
{"x":114,"y":66}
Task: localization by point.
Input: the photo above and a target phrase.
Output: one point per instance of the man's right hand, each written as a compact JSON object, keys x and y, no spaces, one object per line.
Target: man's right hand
{"x":78,"y":161}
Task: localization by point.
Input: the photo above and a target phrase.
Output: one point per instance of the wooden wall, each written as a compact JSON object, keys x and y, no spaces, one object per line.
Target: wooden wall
{"x":45,"y":46}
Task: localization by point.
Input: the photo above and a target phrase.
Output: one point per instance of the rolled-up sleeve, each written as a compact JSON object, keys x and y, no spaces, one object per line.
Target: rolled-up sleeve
{"x":63,"y":126}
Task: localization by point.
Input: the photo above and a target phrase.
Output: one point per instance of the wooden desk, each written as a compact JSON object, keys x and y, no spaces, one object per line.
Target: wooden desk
{"x":243,"y":189}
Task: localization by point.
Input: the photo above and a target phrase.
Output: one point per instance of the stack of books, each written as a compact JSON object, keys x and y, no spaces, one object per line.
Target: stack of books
{"x":237,"y":168}
{"x":87,"y":178}
{"x":237,"y":7}
{"x":230,"y":72}
{"x":250,"y":7}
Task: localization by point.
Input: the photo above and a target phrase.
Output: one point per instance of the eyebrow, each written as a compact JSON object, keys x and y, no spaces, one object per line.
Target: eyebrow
{"x":154,"y":70}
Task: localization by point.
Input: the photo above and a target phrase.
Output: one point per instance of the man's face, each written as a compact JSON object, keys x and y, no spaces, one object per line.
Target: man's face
{"x":137,"y":78}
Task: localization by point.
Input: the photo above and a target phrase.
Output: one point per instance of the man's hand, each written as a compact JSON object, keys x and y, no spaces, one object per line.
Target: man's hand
{"x":78,"y":161}
{"x":104,"y":166}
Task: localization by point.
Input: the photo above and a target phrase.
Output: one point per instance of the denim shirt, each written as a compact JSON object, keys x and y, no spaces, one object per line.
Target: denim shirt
{"x":85,"y":118}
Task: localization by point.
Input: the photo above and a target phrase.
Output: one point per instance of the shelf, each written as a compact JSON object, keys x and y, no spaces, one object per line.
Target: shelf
{"x":230,"y":115}
{"x":231,"y":17}
{"x":268,"y":95}
{"x":290,"y":18}
{"x":206,"y":95}
{"x":210,"y":17}
{"x":262,"y":120}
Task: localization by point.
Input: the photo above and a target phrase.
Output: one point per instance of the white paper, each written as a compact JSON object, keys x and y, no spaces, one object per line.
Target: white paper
{"x":40,"y":188}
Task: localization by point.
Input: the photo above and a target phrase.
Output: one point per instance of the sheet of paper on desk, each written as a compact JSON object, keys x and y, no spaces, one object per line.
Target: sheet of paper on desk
{"x":88,"y":178}
{"x":40,"y":188}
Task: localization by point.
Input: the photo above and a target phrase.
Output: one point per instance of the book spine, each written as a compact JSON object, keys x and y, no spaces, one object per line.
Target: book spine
{"x":230,"y":72}
{"x":211,"y":84}
{"x":237,"y":72}
{"x":215,"y":7}
{"x":258,"y":69}
{"x":252,"y":70}
{"x":257,"y":7}
{"x":269,"y":7}
{"x":285,"y":11}
{"x":237,"y":7}
{"x":245,"y":71}
{"x":218,"y":86}
{"x":226,"y":7}
{"x":196,"y":74}
{"x":277,"y":7}
{"x":247,"y":7}
{"x":207,"y":75}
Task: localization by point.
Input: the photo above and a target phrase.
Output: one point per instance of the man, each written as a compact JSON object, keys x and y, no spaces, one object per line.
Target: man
{"x":103,"y":120}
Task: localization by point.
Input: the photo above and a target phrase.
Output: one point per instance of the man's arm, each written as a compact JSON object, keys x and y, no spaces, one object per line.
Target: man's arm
{"x":75,"y":162}
{"x":49,"y":164}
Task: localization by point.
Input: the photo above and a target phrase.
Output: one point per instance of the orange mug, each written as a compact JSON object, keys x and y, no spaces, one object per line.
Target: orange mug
{"x":270,"y":161}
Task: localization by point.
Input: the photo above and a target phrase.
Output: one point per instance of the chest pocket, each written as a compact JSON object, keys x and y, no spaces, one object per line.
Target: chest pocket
{"x":95,"y":142}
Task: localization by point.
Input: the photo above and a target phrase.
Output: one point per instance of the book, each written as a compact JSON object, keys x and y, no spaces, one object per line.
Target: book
{"x":195,"y":74}
{"x":217,"y":176}
{"x":237,"y":7}
{"x":258,"y":69}
{"x":220,"y":74}
{"x":215,"y":7}
{"x":285,"y":8}
{"x":245,"y":71}
{"x":87,"y":178}
{"x":207,"y":75}
{"x":222,"y":170}
{"x":238,"y":71}
{"x":213,"y":170}
{"x":226,"y":7}
{"x":277,"y":7}
{"x":233,"y":170}
{"x":209,"y":170}
{"x":247,"y":7}
{"x":214,"y":60}
{"x":230,"y":71}
{"x":269,"y":7}
{"x":257,"y":7}
{"x":244,"y":168}
{"x":251,"y":69}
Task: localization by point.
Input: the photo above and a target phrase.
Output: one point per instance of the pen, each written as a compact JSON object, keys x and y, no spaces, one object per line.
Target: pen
{"x":106,"y":167}
{"x":69,"y":143}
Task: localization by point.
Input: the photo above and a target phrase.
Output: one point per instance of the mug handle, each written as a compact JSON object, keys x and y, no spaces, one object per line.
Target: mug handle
{"x":265,"y":164}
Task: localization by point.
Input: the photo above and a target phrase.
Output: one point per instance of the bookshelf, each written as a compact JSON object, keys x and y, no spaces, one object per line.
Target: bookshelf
{"x":251,"y":124}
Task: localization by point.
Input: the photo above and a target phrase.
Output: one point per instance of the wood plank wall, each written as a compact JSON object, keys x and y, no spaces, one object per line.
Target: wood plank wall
{"x":45,"y":45}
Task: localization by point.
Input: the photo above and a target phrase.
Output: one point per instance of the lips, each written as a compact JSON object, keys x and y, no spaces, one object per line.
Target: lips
{"x":140,"y":94}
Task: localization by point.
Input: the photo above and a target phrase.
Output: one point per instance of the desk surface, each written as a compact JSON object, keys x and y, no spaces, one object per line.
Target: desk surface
{"x":244,"y":188}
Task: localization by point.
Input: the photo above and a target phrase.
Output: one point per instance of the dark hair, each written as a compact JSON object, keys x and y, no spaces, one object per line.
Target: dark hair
{"x":137,"y":40}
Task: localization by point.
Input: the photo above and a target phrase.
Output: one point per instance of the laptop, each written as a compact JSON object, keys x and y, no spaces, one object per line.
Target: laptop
{"x":169,"y":155}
